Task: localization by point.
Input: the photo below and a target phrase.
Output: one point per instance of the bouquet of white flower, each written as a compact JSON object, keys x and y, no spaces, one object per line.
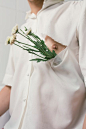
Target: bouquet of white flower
{"x":39,"y":44}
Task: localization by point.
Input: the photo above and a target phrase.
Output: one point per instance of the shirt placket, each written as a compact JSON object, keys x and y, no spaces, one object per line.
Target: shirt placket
{"x":30,"y":63}
{"x":28,"y":75}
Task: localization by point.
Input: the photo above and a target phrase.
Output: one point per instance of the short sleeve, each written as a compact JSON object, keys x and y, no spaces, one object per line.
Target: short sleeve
{"x":8,"y":77}
{"x":81,"y":35}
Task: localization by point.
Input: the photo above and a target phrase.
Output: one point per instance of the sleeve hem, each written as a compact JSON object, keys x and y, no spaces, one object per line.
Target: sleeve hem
{"x":8,"y":80}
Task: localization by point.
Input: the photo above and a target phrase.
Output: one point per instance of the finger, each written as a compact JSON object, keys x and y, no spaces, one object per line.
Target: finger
{"x":54,"y":46}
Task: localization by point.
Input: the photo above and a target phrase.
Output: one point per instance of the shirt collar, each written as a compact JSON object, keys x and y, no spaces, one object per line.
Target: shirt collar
{"x":46,"y":4}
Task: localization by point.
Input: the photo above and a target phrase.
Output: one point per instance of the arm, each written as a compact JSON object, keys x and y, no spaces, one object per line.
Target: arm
{"x":7,"y":81}
{"x":84,"y":125}
{"x":4,"y":99}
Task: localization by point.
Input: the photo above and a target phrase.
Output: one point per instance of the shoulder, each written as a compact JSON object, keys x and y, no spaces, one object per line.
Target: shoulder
{"x":77,"y":5}
{"x":74,"y":9}
{"x":79,"y":9}
{"x":74,"y":5}
{"x":71,"y":8}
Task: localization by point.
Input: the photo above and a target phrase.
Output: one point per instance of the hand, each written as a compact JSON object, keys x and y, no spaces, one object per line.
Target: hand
{"x":53,"y":45}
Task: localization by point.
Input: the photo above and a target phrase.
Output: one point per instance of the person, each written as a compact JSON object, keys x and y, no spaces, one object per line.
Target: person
{"x":51,"y":94}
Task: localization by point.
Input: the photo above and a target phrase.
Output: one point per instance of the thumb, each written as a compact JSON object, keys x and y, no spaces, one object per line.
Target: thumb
{"x":54,"y":46}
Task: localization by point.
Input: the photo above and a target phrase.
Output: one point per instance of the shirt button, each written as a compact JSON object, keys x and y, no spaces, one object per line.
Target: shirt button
{"x":24,"y":100}
{"x":27,"y":74}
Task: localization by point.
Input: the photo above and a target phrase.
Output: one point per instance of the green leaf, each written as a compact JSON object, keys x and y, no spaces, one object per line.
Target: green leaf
{"x":54,"y":53}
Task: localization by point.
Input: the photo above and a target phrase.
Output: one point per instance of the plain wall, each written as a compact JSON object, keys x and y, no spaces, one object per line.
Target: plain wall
{"x":11,"y":12}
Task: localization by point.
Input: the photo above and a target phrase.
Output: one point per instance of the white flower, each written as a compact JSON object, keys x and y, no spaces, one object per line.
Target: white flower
{"x":28,"y":31}
{"x":12,"y":39}
{"x":15,"y":29}
{"x":7,"y":40}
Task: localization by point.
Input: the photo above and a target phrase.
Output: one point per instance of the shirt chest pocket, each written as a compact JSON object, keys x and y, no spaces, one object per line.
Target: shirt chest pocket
{"x":76,"y":52}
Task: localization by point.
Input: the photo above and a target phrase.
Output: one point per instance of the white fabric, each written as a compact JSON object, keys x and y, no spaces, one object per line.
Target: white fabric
{"x":52,"y":94}
{"x":46,"y":4}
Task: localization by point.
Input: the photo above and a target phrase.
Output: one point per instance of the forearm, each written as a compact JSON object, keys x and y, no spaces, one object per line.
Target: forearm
{"x":84,"y":125}
{"x":4,"y":99}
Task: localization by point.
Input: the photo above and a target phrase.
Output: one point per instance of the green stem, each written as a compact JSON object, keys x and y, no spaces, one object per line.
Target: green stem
{"x":24,"y":44}
{"x":31,"y":40}
{"x":26,"y":36}
{"x":35,"y":36}
{"x":18,"y":45}
{"x":35,"y":54}
{"x":50,"y":53}
{"x":39,"y":43}
{"x":28,"y":51}
{"x":46,"y":53}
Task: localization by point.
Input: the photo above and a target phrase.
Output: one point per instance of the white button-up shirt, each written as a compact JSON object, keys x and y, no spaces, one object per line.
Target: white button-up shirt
{"x":51,"y":94}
